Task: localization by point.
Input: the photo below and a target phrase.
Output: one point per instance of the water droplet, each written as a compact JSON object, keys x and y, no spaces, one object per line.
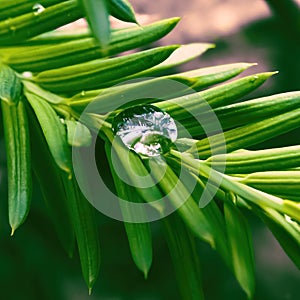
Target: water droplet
{"x":82,"y":94}
{"x":289,"y":219}
{"x":7,"y":22}
{"x":146,"y":129}
{"x":27,"y":74}
{"x":38,"y":8}
{"x":254,"y":78}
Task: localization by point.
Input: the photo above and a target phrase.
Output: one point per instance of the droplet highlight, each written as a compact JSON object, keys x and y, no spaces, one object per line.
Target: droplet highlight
{"x":145,"y":129}
{"x":38,"y":8}
{"x":27,"y":74}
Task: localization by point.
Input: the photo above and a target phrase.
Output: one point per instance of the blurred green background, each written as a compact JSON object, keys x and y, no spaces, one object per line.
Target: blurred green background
{"x":33,"y":264}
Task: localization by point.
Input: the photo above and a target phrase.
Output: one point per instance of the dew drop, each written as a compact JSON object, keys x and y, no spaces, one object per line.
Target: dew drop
{"x":254,"y":78}
{"x":146,"y":129}
{"x":7,"y":22}
{"x":27,"y":74}
{"x":38,"y":8}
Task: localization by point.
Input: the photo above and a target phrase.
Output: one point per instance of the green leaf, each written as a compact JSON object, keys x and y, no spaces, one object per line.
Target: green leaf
{"x":55,"y":37}
{"x":10,"y":9}
{"x":26,"y":26}
{"x":216,"y":74}
{"x":84,"y":223}
{"x":138,"y":234}
{"x":181,"y":198}
{"x":239,"y":236}
{"x":78,"y":134}
{"x":48,"y":176}
{"x":111,"y":98}
{"x":102,"y":72}
{"x":139,"y":238}
{"x":245,"y":161}
{"x":41,"y":93}
{"x":53,"y":129}
{"x":257,"y":109}
{"x":122,"y":10}
{"x":246,"y":112}
{"x":185,"y":258}
{"x":17,"y":142}
{"x":182,"y":55}
{"x":10,"y":85}
{"x":223,"y":94}
{"x":248,"y":135}
{"x":206,"y":203}
{"x":98,"y":19}
{"x":286,"y":231}
{"x":133,"y":169}
{"x":215,"y":220}
{"x":231,"y":184}
{"x":159,"y":88}
{"x":70,"y":52}
{"x":283,"y":183}
{"x":177,"y":194}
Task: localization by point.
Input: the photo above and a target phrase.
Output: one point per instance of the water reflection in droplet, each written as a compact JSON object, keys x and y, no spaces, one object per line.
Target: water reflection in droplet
{"x":27,"y":74}
{"x":145,"y":129}
{"x":38,"y":8}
